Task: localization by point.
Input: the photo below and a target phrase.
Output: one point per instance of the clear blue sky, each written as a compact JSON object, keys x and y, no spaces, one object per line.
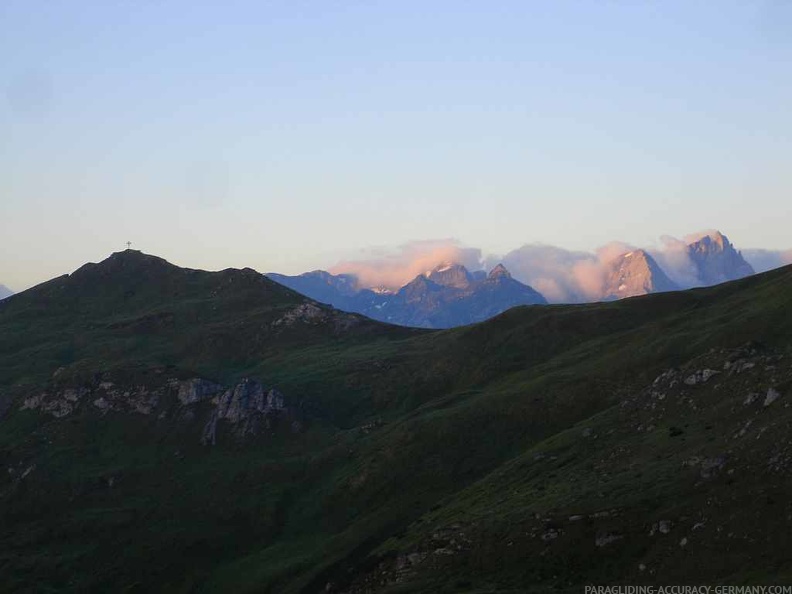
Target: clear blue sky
{"x":285,"y":135}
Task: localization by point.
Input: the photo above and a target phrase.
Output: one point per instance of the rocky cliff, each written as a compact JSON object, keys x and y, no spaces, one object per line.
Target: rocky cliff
{"x":244,"y":409}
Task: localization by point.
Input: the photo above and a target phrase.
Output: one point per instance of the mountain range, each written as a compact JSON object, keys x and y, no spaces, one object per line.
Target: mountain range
{"x":5,"y":292}
{"x":173,"y":430}
{"x":450,"y":295}
{"x":447,"y":296}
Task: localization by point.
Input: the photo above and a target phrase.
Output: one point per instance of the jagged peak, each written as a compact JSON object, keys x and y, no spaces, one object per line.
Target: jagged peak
{"x":708,"y":237}
{"x":716,"y":258}
{"x":451,"y":275}
{"x":420,"y":283}
{"x":499,"y":272}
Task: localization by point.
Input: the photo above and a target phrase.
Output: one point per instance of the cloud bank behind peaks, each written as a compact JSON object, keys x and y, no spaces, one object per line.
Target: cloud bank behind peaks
{"x":564,"y":276}
{"x":394,"y":269}
{"x":558,"y":274}
{"x":673,"y":257}
{"x":561,"y":275}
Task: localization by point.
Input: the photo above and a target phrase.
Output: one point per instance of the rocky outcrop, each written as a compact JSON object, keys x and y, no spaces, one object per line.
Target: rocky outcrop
{"x":312,"y":314}
{"x":249,"y":408}
{"x":244,"y":409}
{"x":303,"y":313}
{"x":58,"y":405}
{"x":195,"y":390}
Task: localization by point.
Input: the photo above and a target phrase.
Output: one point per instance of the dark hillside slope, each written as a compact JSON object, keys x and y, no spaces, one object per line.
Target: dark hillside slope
{"x":408,"y":443}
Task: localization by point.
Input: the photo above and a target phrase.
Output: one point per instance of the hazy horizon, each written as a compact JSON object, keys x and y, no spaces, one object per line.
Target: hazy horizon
{"x":290,"y":136}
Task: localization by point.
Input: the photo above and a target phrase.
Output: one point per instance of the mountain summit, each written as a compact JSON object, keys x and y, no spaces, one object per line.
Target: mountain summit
{"x":451,"y":275}
{"x":712,"y":256}
{"x":499,"y":272}
{"x":635,"y":273}
{"x":168,"y":311}
{"x":716,"y":260}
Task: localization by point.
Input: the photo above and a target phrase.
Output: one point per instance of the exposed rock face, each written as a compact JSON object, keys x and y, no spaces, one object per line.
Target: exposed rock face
{"x":700,"y":376}
{"x":450,"y":295}
{"x":196,"y":390}
{"x":451,"y":275}
{"x":246,"y":408}
{"x":61,"y":405}
{"x":635,"y":273}
{"x":311,"y":314}
{"x":305,"y":312}
{"x":772,"y":396}
{"x":716,"y":260}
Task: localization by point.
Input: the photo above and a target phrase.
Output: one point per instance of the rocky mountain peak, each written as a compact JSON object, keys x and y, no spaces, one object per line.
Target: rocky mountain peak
{"x":711,"y":241}
{"x":451,"y":275}
{"x":499,"y":272}
{"x":717,"y":260}
{"x":421,"y":284}
{"x":635,"y":273}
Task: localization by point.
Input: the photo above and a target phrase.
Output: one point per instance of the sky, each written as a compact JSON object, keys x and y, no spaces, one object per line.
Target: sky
{"x":290,"y":135}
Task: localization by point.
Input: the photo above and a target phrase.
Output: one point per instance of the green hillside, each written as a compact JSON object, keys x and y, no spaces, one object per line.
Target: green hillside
{"x":550,"y":447}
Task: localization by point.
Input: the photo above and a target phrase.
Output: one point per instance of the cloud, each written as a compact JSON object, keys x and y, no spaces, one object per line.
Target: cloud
{"x":614,"y":249}
{"x":764,"y":260}
{"x":563,"y":276}
{"x":673,"y":257}
{"x":394,"y":269}
{"x":560,"y":275}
